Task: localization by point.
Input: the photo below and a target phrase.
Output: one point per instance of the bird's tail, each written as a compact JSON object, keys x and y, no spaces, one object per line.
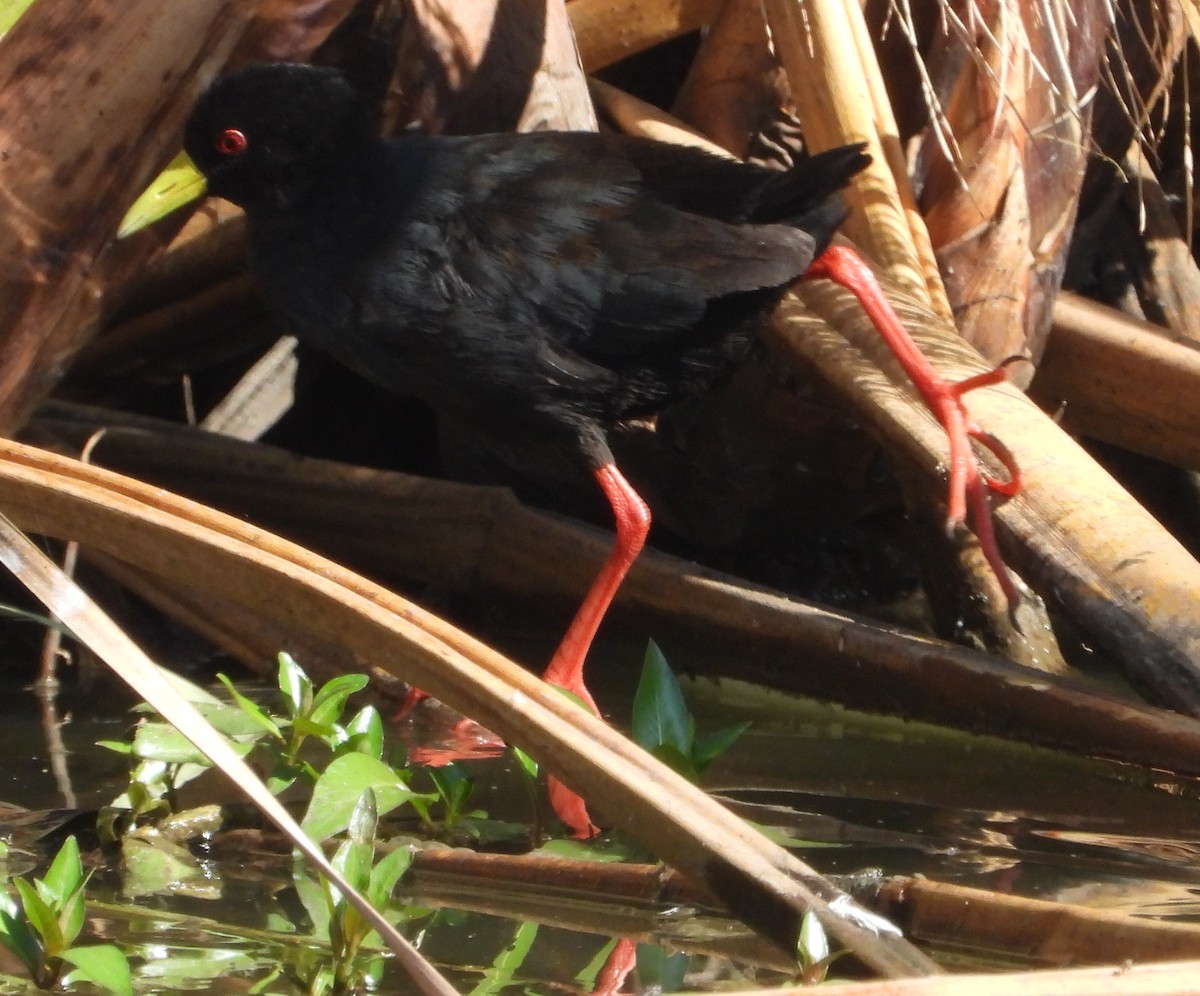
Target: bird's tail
{"x":806,"y":196}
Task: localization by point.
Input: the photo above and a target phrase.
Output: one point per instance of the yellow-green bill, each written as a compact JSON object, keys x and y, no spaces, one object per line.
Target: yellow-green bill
{"x":179,"y":184}
{"x":10,"y":13}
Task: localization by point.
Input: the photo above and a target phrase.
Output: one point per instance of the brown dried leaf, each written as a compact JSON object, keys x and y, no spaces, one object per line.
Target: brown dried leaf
{"x":1011,"y":84}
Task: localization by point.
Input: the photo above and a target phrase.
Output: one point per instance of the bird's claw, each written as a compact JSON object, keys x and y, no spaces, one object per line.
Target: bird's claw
{"x":968,"y":484}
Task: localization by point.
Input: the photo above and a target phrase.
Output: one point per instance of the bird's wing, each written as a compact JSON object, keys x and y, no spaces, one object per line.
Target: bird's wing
{"x":564,"y":231}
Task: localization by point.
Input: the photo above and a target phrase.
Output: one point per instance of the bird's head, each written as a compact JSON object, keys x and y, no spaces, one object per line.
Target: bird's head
{"x":261,"y":134}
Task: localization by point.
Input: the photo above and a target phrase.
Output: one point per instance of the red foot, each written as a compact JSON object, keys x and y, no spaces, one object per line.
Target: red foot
{"x":967,"y":482}
{"x":569,"y":807}
{"x":621,"y":960}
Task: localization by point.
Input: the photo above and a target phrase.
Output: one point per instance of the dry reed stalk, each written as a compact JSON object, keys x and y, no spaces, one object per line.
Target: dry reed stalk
{"x":1072,"y":529}
{"x":636,"y":117}
{"x":610,"y":30}
{"x":481,"y":542}
{"x":1117,"y":379}
{"x":1045,"y":932}
{"x":827,"y":40}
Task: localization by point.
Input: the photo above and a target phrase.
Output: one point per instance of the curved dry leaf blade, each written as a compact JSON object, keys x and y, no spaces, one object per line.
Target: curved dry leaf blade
{"x":760,"y":882}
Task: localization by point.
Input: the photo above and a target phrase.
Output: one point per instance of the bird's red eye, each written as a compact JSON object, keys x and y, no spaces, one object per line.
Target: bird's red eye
{"x":231,"y":142}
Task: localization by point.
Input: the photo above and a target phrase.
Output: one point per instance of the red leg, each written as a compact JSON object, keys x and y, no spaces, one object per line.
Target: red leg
{"x":566,"y":666}
{"x":966,"y":485}
{"x":621,"y":961}
{"x":413,"y":699}
{"x":633,"y":523}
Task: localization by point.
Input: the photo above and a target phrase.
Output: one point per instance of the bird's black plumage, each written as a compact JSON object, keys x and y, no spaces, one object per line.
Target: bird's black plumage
{"x":542,"y":285}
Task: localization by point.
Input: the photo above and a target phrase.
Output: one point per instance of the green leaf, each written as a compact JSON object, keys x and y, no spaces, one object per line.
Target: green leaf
{"x":364,"y":733}
{"x":71,"y":915}
{"x":507,"y":964}
{"x":282,"y":779}
{"x":596,"y":849}
{"x":363,"y":820}
{"x":179,"y":184}
{"x":386,"y":874}
{"x":16,"y":935}
{"x":342,"y":784}
{"x":235,"y":721}
{"x":10,"y":13}
{"x":785,"y":838}
{"x":117,"y":746}
{"x":312,"y":897}
{"x":40,"y":916}
{"x":65,"y":874}
{"x":586,"y":976}
{"x":566,"y":693}
{"x":355,"y":856}
{"x":102,"y":964}
{"x":672,"y":758}
{"x":250,"y":709}
{"x":305,"y":727}
{"x":527,"y":763}
{"x":660,"y":716}
{"x":295,"y":685}
{"x":709,"y":746}
{"x":331,"y":699}
{"x":163,"y":743}
{"x":659,"y":971}
{"x":453,"y":784}
{"x":151,"y":864}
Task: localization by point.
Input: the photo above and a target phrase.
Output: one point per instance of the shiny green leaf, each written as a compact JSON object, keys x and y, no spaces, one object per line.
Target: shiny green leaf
{"x":101,"y":964}
{"x":660,"y":716}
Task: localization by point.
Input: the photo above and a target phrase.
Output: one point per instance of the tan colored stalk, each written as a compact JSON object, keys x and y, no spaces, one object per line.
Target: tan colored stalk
{"x":1046,"y":932}
{"x":1118,"y":379}
{"x":1120,"y":979}
{"x":610,"y":30}
{"x":636,"y":117}
{"x":826,"y":41}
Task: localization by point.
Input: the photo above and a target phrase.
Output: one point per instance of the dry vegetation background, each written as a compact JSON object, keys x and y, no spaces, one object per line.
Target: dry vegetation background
{"x":1030,"y":202}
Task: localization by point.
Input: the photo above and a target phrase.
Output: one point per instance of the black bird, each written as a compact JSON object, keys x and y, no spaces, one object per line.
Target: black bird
{"x":538,"y":287}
